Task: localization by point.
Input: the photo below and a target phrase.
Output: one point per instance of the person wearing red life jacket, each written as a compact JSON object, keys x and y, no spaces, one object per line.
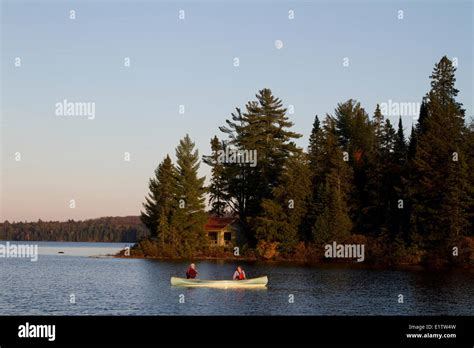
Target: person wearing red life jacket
{"x":191,"y":273}
{"x":239,"y":274}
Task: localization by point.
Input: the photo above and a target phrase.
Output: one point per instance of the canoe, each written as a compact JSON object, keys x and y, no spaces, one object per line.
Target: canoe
{"x":259,"y":282}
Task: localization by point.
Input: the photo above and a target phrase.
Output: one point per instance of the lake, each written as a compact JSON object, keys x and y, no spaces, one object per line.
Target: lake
{"x":117,"y":286}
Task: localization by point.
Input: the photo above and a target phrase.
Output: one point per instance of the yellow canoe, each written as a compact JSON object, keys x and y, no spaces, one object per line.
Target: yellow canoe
{"x":259,"y":282}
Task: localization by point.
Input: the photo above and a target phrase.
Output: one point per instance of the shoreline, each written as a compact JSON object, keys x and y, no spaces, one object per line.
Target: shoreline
{"x":279,"y":261}
{"x":306,"y":263}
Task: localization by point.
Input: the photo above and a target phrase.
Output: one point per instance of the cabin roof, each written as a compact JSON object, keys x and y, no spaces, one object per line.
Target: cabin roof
{"x":218,"y":223}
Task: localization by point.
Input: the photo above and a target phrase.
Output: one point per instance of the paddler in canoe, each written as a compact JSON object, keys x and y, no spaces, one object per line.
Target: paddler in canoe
{"x":191,"y":273}
{"x":239,"y":274}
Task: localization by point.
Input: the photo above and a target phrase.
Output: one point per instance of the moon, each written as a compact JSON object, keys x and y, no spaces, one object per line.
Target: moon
{"x":278,"y":44}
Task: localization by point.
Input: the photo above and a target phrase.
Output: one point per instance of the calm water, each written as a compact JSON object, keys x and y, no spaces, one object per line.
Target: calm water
{"x":109,"y":286}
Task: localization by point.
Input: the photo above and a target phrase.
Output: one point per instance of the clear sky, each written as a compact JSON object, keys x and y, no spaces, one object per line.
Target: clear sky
{"x":190,"y":62}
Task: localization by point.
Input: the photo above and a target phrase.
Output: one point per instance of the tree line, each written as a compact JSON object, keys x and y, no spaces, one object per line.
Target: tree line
{"x":105,"y":229}
{"x":360,"y":179}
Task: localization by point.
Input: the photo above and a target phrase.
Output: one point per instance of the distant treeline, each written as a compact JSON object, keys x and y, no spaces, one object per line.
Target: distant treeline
{"x":105,"y":229}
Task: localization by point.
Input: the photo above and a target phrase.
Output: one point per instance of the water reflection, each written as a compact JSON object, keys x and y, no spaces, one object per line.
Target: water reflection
{"x":109,"y":286}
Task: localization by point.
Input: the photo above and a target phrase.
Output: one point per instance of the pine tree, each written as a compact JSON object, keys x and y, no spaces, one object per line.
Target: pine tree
{"x":379,"y":173}
{"x":396,"y":214}
{"x":236,"y":176}
{"x":355,"y":131}
{"x":316,"y":166}
{"x":389,"y":139}
{"x":315,"y":153}
{"x":378,"y":124}
{"x":189,"y":216}
{"x":218,"y":187}
{"x":263,"y":128}
{"x":356,"y":136}
{"x":400,"y":148}
{"x":332,"y":216}
{"x":281,"y":220}
{"x":422,"y":118}
{"x":159,"y":202}
{"x":440,"y":181}
{"x":419,"y":129}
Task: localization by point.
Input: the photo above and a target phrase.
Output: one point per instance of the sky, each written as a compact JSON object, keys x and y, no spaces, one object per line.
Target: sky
{"x":190,"y":62}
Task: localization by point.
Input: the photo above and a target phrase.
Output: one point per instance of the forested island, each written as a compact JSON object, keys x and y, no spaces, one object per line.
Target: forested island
{"x":408,"y":200}
{"x":105,"y":229}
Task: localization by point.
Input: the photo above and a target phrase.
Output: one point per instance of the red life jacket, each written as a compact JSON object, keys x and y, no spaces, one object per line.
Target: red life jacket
{"x":241,"y":275}
{"x":191,"y":273}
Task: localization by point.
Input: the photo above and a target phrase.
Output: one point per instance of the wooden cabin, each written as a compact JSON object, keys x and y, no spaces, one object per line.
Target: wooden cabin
{"x":221,"y":231}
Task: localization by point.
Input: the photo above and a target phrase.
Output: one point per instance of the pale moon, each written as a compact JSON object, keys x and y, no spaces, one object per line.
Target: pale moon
{"x":279,"y":44}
